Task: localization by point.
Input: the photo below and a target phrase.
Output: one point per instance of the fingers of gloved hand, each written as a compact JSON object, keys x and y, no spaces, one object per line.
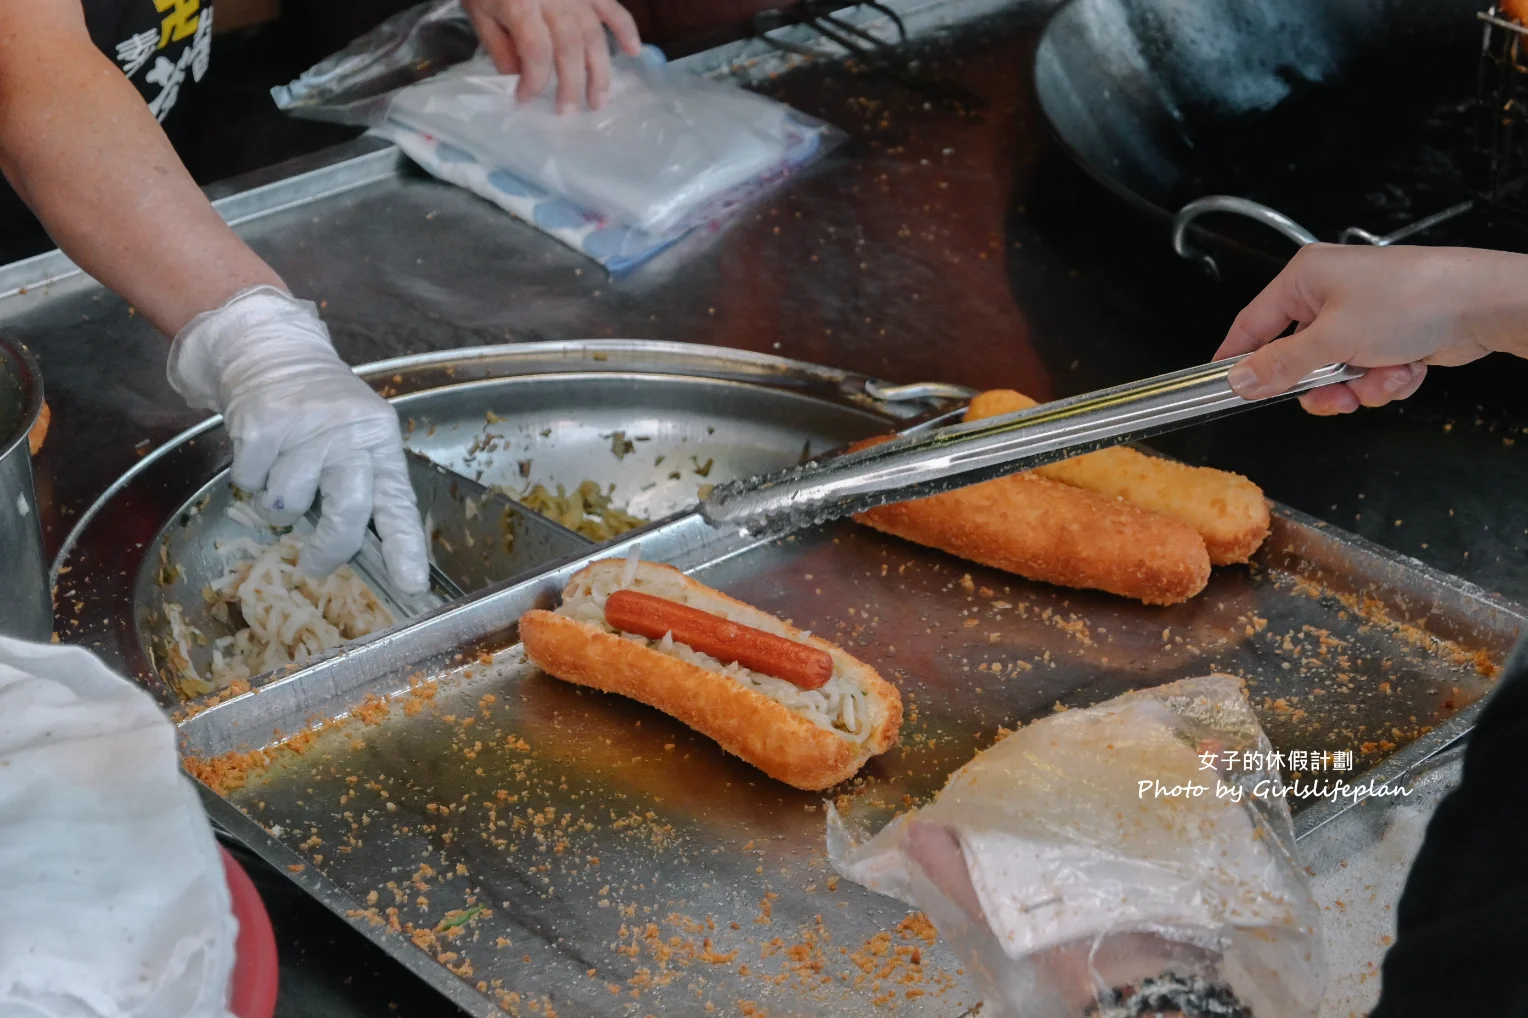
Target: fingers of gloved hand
{"x":254,"y":454}
{"x":346,"y":485}
{"x":396,"y":512}
{"x":292,"y":484}
{"x":598,"y":60}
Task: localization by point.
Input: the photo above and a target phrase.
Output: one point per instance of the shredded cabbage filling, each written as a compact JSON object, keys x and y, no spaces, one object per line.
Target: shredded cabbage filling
{"x":285,"y":615}
{"x":839,"y":705}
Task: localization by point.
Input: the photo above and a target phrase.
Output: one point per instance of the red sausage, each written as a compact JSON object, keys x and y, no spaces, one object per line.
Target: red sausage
{"x":652,"y":617}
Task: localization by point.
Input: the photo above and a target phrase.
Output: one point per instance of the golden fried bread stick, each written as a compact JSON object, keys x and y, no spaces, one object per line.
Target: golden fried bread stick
{"x":1227,"y":510}
{"x":1045,"y":530}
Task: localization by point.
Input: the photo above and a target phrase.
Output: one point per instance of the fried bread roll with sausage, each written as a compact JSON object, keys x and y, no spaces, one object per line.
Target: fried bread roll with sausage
{"x":811,"y":738}
{"x":1227,"y":510}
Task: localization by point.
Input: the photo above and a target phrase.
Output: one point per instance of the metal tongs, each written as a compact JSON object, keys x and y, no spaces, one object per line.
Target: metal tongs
{"x":916,"y":466}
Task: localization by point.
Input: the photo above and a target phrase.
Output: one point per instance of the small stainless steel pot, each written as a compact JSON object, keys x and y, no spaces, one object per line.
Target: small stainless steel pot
{"x":26,"y":608}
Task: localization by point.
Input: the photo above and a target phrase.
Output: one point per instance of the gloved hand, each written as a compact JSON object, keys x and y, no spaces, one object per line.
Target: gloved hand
{"x":301,"y":422}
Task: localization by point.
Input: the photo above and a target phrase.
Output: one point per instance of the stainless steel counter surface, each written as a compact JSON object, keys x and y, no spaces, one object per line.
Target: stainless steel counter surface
{"x":932,"y":246}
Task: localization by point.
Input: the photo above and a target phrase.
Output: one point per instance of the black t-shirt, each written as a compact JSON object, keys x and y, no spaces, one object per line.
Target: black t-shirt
{"x":163,"y":46}
{"x":1462,"y":921}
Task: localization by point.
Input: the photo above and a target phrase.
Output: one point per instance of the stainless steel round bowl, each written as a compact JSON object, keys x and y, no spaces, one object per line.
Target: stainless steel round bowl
{"x":26,"y":609}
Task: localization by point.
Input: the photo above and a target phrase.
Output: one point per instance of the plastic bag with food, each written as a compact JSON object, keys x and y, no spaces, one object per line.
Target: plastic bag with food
{"x":1133,"y":858}
{"x":664,"y":147}
{"x":670,"y":156}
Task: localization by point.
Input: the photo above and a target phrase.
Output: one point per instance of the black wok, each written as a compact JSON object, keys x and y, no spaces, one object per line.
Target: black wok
{"x":1337,"y":113}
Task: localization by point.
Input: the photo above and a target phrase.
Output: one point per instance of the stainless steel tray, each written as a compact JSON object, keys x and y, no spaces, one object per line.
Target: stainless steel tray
{"x":594,"y":857}
{"x":710,"y":413}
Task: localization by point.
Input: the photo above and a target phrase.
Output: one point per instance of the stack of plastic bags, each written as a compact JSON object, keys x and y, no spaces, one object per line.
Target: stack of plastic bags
{"x":669,"y":153}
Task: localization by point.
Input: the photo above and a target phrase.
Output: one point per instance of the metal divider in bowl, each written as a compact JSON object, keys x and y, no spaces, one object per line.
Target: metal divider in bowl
{"x":194,"y":550}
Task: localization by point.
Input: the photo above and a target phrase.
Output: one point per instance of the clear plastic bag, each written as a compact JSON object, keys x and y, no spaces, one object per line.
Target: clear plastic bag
{"x":1072,"y":865}
{"x":355,"y":85}
{"x":665,"y":145}
{"x":668,"y":153}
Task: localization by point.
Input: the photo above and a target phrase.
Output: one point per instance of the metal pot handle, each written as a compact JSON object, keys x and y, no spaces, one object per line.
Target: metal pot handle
{"x":1239,"y":206}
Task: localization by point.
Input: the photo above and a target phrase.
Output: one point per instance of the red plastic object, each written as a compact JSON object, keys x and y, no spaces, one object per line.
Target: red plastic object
{"x":255,"y":968}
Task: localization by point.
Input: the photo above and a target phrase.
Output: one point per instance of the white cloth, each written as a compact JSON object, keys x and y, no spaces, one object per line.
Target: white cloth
{"x":114,"y":893}
{"x":301,"y":422}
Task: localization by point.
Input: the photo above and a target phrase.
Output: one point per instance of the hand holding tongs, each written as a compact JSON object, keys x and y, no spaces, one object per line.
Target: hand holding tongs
{"x":917,"y":466}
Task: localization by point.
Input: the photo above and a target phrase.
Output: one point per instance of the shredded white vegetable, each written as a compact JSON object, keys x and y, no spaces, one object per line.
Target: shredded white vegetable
{"x":287,"y":616}
{"x":429,"y":538}
{"x":633,"y":559}
{"x":244,"y":514}
{"x":182,"y":634}
{"x":838,"y":705}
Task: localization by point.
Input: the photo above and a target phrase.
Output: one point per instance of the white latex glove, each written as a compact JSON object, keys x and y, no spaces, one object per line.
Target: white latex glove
{"x":301,"y":422}
{"x":115,"y":895}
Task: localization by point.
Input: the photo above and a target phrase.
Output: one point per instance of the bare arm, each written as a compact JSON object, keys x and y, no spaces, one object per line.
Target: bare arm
{"x":81,"y":148}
